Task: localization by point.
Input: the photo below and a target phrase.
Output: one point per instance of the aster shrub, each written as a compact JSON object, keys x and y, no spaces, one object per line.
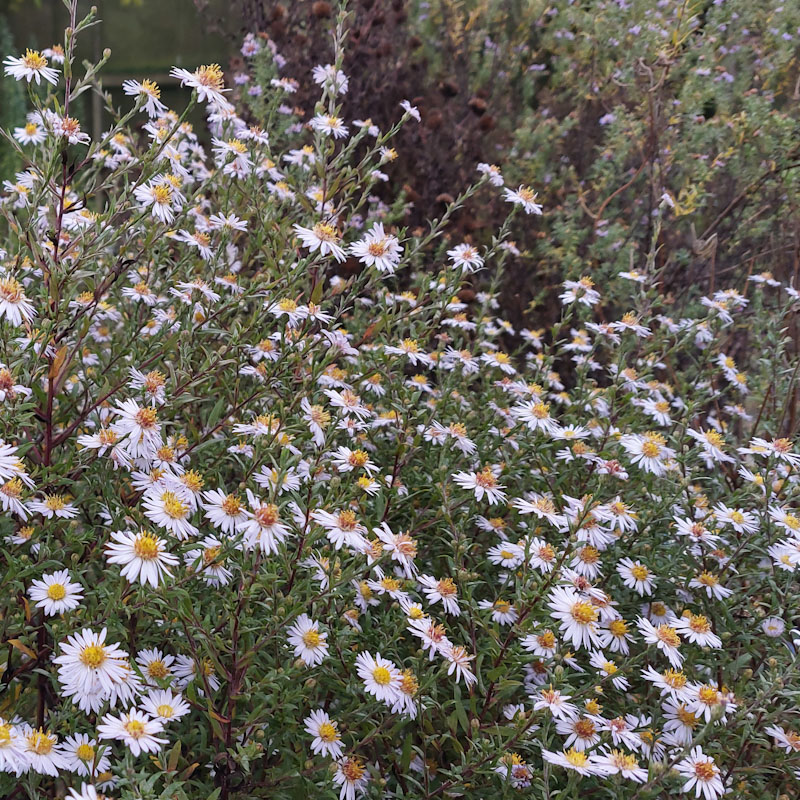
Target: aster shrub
{"x":291,"y":510}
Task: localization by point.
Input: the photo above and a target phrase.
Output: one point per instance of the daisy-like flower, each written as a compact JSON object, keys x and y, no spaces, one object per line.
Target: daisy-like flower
{"x":347,"y":460}
{"x":342,"y":528}
{"x":143,"y":557}
{"x":53,"y":506}
{"x":31,"y":66}
{"x":503,"y":612}
{"x":577,"y":617}
{"x":782,"y":449}
{"x":155,"y":665}
{"x":706,"y":700}
{"x":263,"y":528}
{"x":139,"y":427}
{"x":381,"y":677}
{"x":31,"y":133}
{"x":323,"y":237}
{"x":11,"y":748}
{"x":615,"y":635}
{"x":665,"y":637}
{"x":80,"y":754}
{"x":649,"y":451}
{"x":712,"y":443}
{"x":536,"y":415}
{"x":56,"y":593}
{"x":525,"y":197}
{"x":331,"y":76}
{"x":466,"y":258}
{"x":40,"y":752}
{"x":556,"y":703}
{"x":352,"y":776}
{"x":672,"y":683}
{"x":208,"y":81}
{"x":458,"y":659}
{"x":492,"y":172}
{"x":170,"y":508}
{"x":443,"y":590}
{"x":14,"y":305}
{"x":209,"y":562}
{"x":329,"y":125}
{"x":165,"y":705}
{"x":697,"y":629}
{"x":786,"y":519}
{"x":788,"y":740}
{"x":581,"y":291}
{"x":225,"y":511}
{"x":702,"y":774}
{"x":308,"y":641}
{"x":88,"y":663}
{"x":403,"y":548}
{"x":741,"y":521}
{"x":513,"y":768}
{"x":136,"y":729}
{"x":327,"y":739}
{"x":187,"y":670}
{"x":149,"y":93}
{"x":582,"y":732}
{"x":773,"y":627}
{"x":609,"y":669}
{"x":681,"y":723}
{"x":618,"y":762}
{"x":378,"y":249}
{"x":636,"y":575}
{"x":483,"y":482}
{"x":710,"y":583}
{"x":576,"y":760}
{"x":159,"y":196}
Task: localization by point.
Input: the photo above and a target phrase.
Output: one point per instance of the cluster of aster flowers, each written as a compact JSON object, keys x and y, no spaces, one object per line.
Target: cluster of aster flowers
{"x":288,"y":506}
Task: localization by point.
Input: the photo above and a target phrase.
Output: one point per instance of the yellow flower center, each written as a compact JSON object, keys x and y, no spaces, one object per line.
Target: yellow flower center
{"x":485,"y":478}
{"x":165,"y":711}
{"x":33,"y":59}
{"x":210,"y":75}
{"x":41,"y":743}
{"x":583,"y":613}
{"x":675,"y":679}
{"x":162,"y":194}
{"x":352,"y":769}
{"x":93,"y":656}
{"x":705,"y":770}
{"x":173,"y":506}
{"x":156,"y":669}
{"x":576,"y":758}
{"x":358,"y":458}
{"x":382,"y":676}
{"x":151,"y":88}
{"x":668,"y":636}
{"x":640,"y":572}
{"x":708,"y":695}
{"x":327,"y":732}
{"x":311,"y":638}
{"x":146,"y":417}
{"x":699,"y":624}
{"x":55,"y":502}
{"x":325,"y":232}
{"x":85,"y":752}
{"x":56,"y":591}
{"x":134,"y":728}
{"x":145,"y":546}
